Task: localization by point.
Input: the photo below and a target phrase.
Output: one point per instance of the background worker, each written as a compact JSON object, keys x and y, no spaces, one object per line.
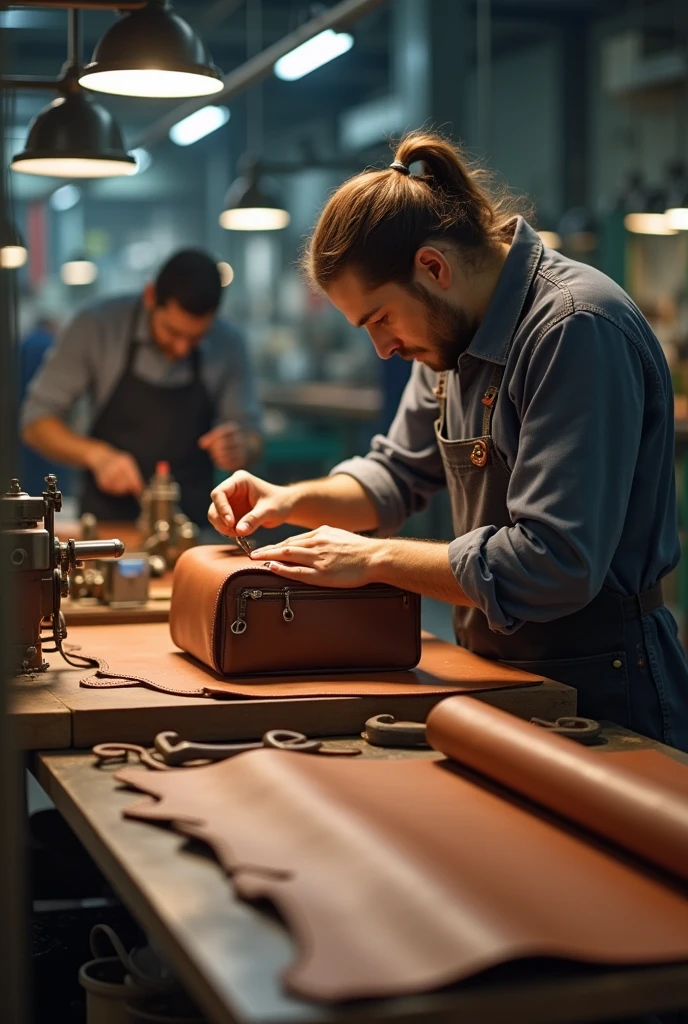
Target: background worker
{"x":167,"y":380}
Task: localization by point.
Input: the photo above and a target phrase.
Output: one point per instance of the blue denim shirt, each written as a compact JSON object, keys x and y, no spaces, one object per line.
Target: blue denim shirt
{"x":584,"y":421}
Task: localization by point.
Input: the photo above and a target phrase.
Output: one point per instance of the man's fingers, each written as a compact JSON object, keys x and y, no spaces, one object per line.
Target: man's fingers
{"x":259,"y":513}
{"x":293,"y":572}
{"x":286,"y":553}
{"x":221,"y":502}
{"x":218,"y":523}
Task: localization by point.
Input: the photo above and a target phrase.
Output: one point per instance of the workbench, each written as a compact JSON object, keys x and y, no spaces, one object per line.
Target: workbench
{"x":229,"y":954}
{"x":52,"y":712}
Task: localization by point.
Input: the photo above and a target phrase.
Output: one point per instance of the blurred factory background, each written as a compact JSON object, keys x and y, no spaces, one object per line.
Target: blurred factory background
{"x":582,"y":105}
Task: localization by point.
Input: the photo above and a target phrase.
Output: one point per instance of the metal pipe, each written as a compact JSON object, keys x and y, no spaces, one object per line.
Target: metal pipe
{"x":17,"y":82}
{"x":73,"y":37}
{"x":260,"y":66}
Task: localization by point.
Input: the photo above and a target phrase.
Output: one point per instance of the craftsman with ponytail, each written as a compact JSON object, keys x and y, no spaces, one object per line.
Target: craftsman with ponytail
{"x":539,"y":398}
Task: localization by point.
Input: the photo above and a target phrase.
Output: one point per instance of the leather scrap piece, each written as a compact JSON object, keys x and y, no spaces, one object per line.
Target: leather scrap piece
{"x":401,"y":877}
{"x":144,"y":655}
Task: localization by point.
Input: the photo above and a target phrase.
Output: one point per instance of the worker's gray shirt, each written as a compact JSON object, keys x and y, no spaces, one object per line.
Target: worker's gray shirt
{"x":90,"y":355}
{"x":584,"y":421}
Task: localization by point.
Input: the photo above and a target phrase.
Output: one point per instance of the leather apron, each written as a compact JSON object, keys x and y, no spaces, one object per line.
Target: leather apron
{"x":590,"y":649}
{"x":155,"y":423}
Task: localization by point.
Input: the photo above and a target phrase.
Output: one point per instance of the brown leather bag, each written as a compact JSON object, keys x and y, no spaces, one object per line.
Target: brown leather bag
{"x":238,"y":617}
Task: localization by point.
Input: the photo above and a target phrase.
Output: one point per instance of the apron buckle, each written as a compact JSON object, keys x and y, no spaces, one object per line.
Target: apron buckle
{"x":488,"y":398}
{"x":479,"y":454}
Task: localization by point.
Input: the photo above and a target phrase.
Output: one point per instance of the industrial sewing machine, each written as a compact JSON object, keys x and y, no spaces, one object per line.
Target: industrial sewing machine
{"x":40,"y":566}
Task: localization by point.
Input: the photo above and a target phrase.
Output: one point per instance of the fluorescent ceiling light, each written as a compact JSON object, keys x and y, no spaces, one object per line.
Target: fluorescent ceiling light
{"x":648,"y":224}
{"x":12,"y":257}
{"x":65,"y":198}
{"x":143,"y":159}
{"x":77,"y":272}
{"x":226,"y":274}
{"x":199,"y":124}
{"x":313,"y":54}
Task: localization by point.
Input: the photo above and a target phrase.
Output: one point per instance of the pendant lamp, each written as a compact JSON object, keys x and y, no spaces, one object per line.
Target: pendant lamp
{"x":73,"y":137}
{"x":152,"y":52}
{"x":12,"y":249}
{"x":252,"y":203}
{"x":644,"y":208}
{"x":677,"y":198}
{"x":78,"y":271}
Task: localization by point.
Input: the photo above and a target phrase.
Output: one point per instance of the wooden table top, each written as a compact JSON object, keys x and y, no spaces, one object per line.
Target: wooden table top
{"x":52,"y":712}
{"x":230,"y":955}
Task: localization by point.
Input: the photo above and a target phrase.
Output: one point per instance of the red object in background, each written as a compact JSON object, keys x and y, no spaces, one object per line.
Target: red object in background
{"x":37,"y":243}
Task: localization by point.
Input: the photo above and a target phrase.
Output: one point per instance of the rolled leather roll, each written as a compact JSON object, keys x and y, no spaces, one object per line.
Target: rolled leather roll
{"x":638,"y":799}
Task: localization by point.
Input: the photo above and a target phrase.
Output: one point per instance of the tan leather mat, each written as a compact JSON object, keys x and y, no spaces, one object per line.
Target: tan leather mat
{"x":401,"y":877}
{"x":144,"y":655}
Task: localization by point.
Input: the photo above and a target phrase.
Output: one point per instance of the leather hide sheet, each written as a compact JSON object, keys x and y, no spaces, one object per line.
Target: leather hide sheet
{"x":398,"y":877}
{"x":144,"y":655}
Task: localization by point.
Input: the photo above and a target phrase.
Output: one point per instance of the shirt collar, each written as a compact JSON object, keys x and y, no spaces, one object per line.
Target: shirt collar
{"x":493,"y":337}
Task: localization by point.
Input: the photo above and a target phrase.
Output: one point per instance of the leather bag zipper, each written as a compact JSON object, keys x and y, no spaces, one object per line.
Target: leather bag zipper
{"x":287,"y":595}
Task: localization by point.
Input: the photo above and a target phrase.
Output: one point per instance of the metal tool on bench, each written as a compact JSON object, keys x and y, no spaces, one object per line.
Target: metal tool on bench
{"x":583,"y":730}
{"x":385,"y":731}
{"x":40,"y":566}
{"x":120,"y":584}
{"x":171,"y":752}
{"x":166,"y":531}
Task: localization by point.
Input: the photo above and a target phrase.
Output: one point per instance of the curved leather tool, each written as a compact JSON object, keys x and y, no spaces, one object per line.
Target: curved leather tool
{"x":385,"y":731}
{"x":583,"y":730}
{"x":176,"y":752}
{"x":120,"y":751}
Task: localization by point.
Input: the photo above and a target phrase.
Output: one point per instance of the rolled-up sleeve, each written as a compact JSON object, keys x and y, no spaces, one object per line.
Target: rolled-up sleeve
{"x":404,"y":468}
{"x":65,"y":374}
{"x":579,"y":394}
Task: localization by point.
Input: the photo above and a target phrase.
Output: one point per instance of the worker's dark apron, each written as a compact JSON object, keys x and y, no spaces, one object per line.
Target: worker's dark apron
{"x":601,"y":649}
{"x":155,"y":423}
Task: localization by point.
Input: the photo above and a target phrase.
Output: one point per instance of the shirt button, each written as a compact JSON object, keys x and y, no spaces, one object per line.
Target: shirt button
{"x":617,"y":663}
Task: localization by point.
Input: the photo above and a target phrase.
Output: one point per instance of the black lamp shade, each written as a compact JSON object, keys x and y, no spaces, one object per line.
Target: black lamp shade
{"x":152,"y":52}
{"x":252,"y":204}
{"x":75,"y":138}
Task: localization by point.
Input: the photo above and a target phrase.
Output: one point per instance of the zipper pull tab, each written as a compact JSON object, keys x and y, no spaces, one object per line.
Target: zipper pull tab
{"x":287,"y":613}
{"x":239,"y":624}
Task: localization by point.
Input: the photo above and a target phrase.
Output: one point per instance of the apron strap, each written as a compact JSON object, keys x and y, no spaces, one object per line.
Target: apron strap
{"x":440,"y":393}
{"x":133,"y":340}
{"x":489,"y":399}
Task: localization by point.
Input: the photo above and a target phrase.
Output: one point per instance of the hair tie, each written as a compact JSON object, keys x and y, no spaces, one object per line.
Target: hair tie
{"x":398,"y":166}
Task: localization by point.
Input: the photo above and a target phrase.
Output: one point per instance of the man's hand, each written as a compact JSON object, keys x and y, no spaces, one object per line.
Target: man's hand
{"x":326,"y":557}
{"x":116,"y":472}
{"x":244,"y":502}
{"x":226,"y":445}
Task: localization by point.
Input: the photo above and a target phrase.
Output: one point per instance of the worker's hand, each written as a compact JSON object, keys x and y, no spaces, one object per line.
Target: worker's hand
{"x":226,"y":446}
{"x":116,"y":472}
{"x":244,"y":502}
{"x":326,"y":557}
